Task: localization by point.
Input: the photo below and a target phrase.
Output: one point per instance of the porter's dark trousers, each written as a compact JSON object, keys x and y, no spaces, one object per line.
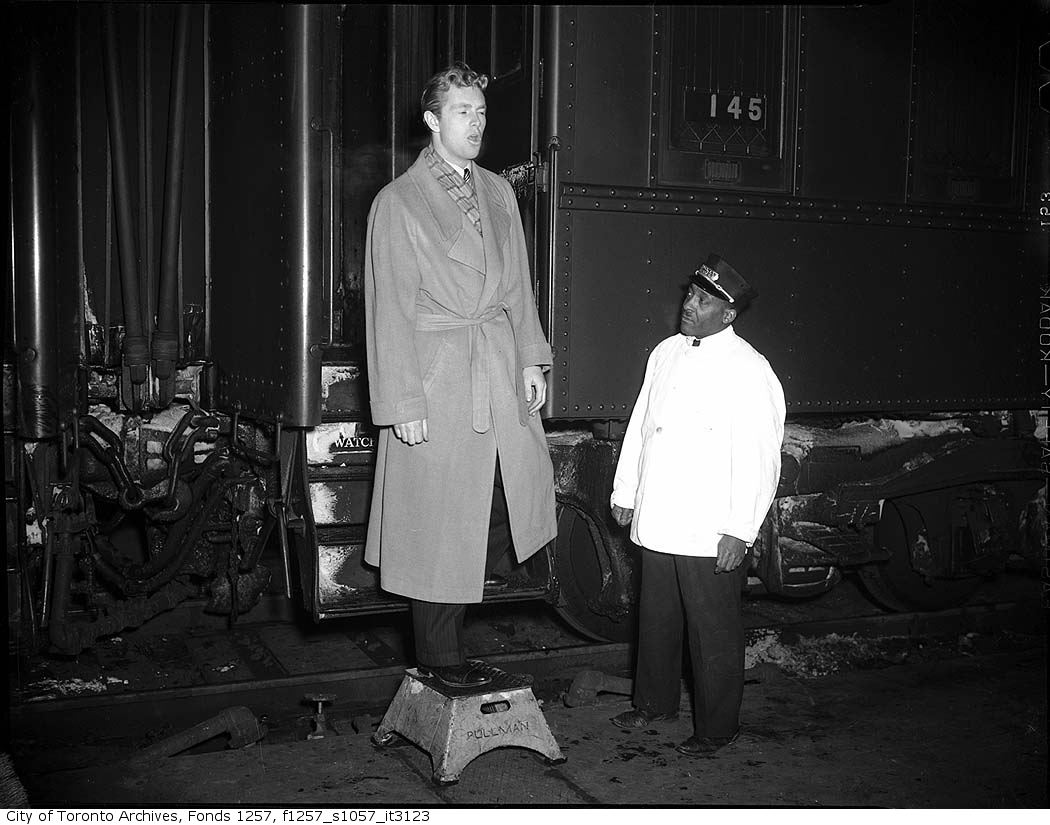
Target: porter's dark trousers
{"x":438,"y":626}
{"x":684,"y":593}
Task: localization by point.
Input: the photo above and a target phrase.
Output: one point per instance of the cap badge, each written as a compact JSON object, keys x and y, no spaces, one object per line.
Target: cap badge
{"x":706,"y":272}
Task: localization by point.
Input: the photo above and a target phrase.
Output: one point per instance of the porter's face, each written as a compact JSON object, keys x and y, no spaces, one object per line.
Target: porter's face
{"x":703,"y":314}
{"x":459,"y":126}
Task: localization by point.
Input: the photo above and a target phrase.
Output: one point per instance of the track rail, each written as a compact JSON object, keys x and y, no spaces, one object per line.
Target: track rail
{"x":133,"y":715}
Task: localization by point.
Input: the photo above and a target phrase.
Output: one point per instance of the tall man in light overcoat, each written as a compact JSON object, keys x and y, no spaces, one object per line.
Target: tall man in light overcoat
{"x":456,"y":362}
{"x":697,"y":472}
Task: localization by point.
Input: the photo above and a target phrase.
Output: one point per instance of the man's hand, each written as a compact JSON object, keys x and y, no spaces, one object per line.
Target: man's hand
{"x":731,"y":552}
{"x":412,"y":432}
{"x":535,"y":388}
{"x":623,"y":515}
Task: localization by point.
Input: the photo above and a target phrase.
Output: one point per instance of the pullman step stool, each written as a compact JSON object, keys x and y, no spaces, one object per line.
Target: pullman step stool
{"x":456,"y":725}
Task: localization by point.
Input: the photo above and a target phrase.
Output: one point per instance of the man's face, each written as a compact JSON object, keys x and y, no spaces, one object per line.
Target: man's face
{"x":458,"y":129}
{"x":703,"y":314}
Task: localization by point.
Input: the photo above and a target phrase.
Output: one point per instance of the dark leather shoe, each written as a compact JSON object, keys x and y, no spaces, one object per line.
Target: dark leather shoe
{"x":466,"y":675}
{"x":635,"y":718}
{"x":705,"y":745}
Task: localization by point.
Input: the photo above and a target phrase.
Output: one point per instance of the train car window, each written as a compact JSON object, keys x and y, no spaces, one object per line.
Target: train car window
{"x":965,"y":104}
{"x":725,"y":80}
{"x":508,"y":39}
{"x":494,"y":39}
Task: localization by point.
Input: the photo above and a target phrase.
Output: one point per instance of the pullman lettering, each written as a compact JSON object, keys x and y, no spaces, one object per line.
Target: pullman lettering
{"x":500,"y":730}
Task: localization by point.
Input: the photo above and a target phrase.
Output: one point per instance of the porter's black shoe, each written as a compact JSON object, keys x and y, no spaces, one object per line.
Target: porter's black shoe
{"x":636,"y":718}
{"x":705,"y":745}
{"x":465,"y":675}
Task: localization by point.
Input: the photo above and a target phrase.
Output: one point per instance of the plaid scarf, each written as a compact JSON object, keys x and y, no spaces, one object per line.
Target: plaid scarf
{"x":459,"y":188}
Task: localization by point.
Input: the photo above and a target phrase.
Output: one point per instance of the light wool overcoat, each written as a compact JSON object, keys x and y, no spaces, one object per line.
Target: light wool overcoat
{"x":450,"y":322}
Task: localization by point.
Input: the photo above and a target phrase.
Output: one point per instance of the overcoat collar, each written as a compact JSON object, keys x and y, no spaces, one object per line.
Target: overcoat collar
{"x":463,"y":243}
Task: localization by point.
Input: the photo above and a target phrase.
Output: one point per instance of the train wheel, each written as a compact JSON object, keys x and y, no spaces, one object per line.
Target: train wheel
{"x":894,"y":584}
{"x":580,"y":575}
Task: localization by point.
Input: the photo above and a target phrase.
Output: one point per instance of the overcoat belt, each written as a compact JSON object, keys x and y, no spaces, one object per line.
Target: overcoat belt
{"x":481,"y":415}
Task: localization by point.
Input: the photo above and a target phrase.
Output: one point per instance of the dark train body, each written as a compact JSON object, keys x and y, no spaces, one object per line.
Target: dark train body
{"x":185,"y":394}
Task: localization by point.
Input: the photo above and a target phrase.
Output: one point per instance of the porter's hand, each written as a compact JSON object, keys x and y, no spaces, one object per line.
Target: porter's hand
{"x":412,"y":432}
{"x":623,"y":515}
{"x":731,"y":552}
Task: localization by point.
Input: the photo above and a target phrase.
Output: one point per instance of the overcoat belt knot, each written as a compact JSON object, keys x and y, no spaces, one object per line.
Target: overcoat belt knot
{"x":481,"y":417}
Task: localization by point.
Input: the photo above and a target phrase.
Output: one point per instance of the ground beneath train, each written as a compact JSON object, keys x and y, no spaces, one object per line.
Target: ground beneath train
{"x":963,"y":730}
{"x":844,"y":705}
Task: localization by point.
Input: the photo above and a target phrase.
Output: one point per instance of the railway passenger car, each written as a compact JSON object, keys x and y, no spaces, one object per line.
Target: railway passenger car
{"x":185,"y":393}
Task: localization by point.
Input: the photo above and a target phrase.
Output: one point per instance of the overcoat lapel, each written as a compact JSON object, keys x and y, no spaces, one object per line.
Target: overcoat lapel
{"x":466,"y":248}
{"x":495,"y":224}
{"x":463,"y":244}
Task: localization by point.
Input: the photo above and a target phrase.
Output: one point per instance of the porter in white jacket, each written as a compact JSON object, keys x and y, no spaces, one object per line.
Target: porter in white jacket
{"x":701,"y":457}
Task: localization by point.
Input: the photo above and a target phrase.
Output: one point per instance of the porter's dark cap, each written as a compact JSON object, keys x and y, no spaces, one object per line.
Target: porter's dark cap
{"x":718,"y":278}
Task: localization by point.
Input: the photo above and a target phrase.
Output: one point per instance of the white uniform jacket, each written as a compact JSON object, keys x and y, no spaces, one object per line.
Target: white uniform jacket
{"x":701,"y":457}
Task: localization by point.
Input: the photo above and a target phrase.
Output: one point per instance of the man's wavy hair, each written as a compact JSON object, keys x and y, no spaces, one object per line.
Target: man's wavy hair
{"x":458,"y":74}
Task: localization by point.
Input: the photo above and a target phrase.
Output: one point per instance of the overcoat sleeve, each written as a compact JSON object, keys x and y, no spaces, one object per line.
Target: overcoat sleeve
{"x":392,"y":279}
{"x":533,"y":349}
